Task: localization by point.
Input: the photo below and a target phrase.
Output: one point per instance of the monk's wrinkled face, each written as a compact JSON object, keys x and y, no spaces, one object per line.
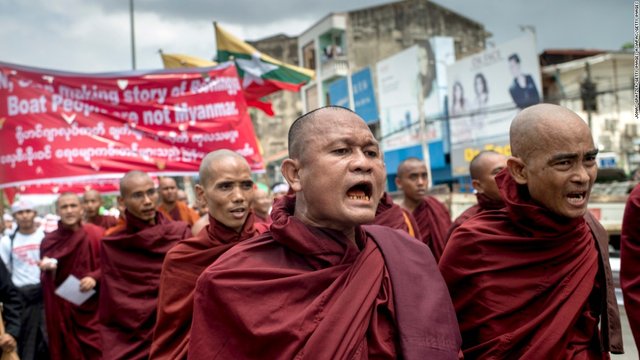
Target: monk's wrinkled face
{"x":413,"y":180}
{"x":561,"y":171}
{"x":91,"y":203}
{"x":140,"y":197}
{"x":491,"y":165}
{"x":168,"y":190}
{"x":341,"y":173}
{"x":70,"y":210}
{"x":261,"y":202}
{"x":228,"y":192}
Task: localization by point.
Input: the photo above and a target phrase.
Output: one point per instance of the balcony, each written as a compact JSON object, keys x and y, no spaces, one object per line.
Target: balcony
{"x":335,"y":67}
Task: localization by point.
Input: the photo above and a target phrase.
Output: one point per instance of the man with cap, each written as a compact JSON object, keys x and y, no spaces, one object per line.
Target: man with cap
{"x":20,"y":251}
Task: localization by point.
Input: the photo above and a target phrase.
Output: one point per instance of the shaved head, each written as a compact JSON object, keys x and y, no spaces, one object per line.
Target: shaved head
{"x":207,"y":166}
{"x":93,"y":193}
{"x":482,"y":161}
{"x":67,"y":194}
{"x":302,"y":129}
{"x":483,"y":169}
{"x":537,"y":125}
{"x":133,"y":174}
{"x":406,"y":164}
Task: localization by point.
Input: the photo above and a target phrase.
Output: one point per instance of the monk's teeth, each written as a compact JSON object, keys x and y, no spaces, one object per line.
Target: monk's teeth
{"x":357,"y":197}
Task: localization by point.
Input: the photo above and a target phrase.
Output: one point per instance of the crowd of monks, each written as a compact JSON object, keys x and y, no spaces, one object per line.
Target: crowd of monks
{"x":335,"y":269}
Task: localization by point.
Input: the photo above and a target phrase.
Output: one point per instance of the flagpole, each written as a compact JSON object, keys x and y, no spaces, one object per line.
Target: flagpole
{"x":133,"y":36}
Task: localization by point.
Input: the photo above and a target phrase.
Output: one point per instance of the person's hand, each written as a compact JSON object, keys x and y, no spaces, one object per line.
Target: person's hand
{"x":7,"y":342}
{"x":48,"y":263}
{"x":87,"y":283}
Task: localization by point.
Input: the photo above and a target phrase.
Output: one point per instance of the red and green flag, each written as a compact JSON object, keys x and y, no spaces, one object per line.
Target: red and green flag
{"x":260,"y":73}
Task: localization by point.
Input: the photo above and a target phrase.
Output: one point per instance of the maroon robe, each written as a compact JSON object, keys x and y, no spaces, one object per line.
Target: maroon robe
{"x":131,"y":264}
{"x":433,"y":221}
{"x":182,"y":267}
{"x":103,"y":221}
{"x":630,"y":261}
{"x":262,"y":220}
{"x":310,"y":293}
{"x":73,"y":330}
{"x":392,"y":215}
{"x":484,"y":203}
{"x":528,"y":284}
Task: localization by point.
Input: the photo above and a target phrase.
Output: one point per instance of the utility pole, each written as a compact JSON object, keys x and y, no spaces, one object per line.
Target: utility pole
{"x":588,"y":94}
{"x":133,"y":36}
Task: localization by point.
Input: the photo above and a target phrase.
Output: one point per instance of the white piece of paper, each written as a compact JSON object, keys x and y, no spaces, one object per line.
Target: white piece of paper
{"x":70,"y":291}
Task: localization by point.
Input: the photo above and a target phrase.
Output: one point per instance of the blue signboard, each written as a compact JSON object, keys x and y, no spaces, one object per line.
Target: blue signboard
{"x":363,"y":95}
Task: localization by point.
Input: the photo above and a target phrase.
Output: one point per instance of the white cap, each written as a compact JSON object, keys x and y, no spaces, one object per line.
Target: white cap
{"x":21,"y":205}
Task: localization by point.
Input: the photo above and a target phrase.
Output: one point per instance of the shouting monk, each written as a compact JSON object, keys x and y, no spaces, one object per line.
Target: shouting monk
{"x":532,"y":280}
{"x":318,"y":285}
{"x":227,"y":188}
{"x":91,"y":202}
{"x":131,"y":260}
{"x":171,"y":207}
{"x":71,"y":250}
{"x":483,"y":169}
{"x":431,"y":215}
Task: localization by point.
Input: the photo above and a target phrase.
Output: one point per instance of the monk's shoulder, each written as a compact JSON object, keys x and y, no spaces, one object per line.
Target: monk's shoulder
{"x":433,"y":202}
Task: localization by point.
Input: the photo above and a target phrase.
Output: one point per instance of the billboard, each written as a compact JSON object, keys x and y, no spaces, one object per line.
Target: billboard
{"x":363,"y":94}
{"x":486,"y":91}
{"x":62,"y":126}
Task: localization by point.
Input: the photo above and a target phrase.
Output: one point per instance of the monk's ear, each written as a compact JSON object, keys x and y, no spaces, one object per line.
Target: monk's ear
{"x":517,"y":169}
{"x":290,"y":170}
{"x":200,"y":194}
{"x":477,"y":186}
{"x":121,"y":201}
{"x":398,"y":183}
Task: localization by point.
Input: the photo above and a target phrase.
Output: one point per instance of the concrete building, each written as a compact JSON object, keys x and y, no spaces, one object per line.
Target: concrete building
{"x":611,"y":117}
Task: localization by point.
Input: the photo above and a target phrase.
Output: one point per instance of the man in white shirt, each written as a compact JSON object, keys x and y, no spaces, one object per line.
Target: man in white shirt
{"x":20,"y":251}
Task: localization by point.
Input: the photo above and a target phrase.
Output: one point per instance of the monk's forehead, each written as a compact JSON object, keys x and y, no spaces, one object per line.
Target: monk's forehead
{"x":167,"y":181}
{"x":412,"y":166}
{"x":69,"y":198}
{"x":337,"y":125}
{"x":137,"y":180}
{"x":92,"y":194}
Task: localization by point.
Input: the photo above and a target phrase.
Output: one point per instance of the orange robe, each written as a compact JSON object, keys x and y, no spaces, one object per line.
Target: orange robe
{"x":181,"y":211}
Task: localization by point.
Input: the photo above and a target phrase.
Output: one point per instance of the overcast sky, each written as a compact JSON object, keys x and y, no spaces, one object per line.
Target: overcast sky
{"x":94,"y":35}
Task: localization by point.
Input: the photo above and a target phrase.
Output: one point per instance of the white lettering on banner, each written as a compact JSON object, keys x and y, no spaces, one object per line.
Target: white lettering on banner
{"x":73,"y":105}
{"x":87,"y":154}
{"x":229,"y":84}
{"x":89,"y":94}
{"x":246,"y":151}
{"x":156,"y":117}
{"x":17,"y":106}
{"x":5,"y":83}
{"x":195,"y":113}
{"x":230,"y":136}
{"x":116,"y":132}
{"x":27,"y":155}
{"x":172,"y":137}
{"x":39,"y":132}
{"x":137,"y":95}
{"x":192,"y":155}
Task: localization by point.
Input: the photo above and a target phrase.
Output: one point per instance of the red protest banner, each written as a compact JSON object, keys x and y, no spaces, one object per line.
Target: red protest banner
{"x":60,"y":126}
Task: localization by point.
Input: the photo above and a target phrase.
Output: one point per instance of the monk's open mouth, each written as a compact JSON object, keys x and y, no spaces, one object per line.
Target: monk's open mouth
{"x":577,"y":197}
{"x":360,"y":191}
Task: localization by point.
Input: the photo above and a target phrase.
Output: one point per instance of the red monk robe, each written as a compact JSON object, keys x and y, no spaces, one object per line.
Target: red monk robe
{"x":181,"y":268}
{"x":392,"y":215}
{"x":433,"y":221}
{"x":630,"y":261}
{"x":73,"y":330}
{"x":484,"y":203}
{"x":131,"y":264}
{"x":527,"y":284}
{"x":180,"y":211}
{"x":104,"y":221}
{"x":310,"y":293}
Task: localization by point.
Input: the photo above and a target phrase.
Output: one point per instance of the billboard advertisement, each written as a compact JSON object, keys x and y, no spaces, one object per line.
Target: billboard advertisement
{"x":363,"y":94}
{"x":486,"y":91}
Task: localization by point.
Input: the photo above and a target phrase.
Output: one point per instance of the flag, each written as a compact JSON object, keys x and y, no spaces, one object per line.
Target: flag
{"x":260,"y":73}
{"x":173,"y":61}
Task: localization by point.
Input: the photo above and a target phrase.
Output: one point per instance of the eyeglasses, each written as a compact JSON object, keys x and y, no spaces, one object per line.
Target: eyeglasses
{"x":140,"y":195}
